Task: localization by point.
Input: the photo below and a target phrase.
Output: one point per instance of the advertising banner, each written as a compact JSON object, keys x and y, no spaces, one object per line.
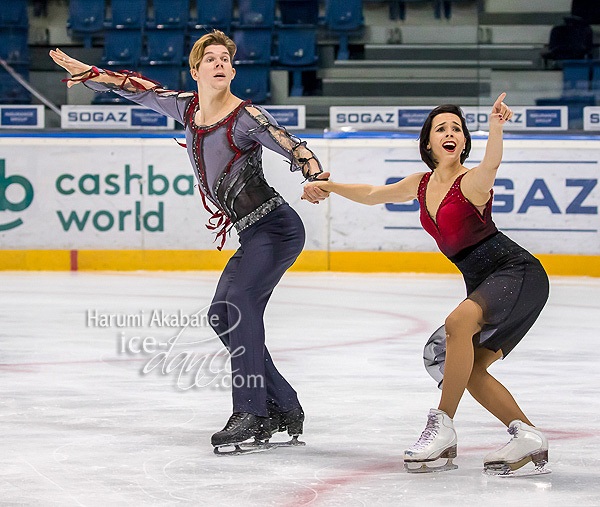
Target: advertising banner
{"x":525,"y":118}
{"x":98,"y":193}
{"x":546,"y":195}
{"x":591,"y":118}
{"x":292,"y":117}
{"x":21,"y":117}
{"x":113,"y":117}
{"x":136,"y":117}
{"x":132,"y":193}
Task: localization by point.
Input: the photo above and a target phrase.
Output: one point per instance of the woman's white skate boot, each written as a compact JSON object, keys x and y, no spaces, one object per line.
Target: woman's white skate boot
{"x":438,"y":441}
{"x":528,"y":444}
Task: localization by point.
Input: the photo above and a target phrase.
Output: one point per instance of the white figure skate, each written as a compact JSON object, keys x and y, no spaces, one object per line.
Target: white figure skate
{"x":528,"y":444}
{"x":438,"y":441}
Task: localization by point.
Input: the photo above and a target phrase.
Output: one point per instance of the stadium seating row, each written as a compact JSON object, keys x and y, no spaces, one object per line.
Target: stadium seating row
{"x":14,"y":28}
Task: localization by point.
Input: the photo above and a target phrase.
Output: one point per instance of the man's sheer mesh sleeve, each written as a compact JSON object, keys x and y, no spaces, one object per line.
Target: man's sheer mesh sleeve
{"x":168,"y":102}
{"x":276,"y":138}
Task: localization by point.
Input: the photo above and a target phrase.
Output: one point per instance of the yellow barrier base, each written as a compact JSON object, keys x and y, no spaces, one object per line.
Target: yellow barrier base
{"x":192,"y":260}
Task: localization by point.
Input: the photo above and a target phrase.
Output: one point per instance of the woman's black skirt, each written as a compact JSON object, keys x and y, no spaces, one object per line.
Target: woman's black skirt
{"x":511,"y":287}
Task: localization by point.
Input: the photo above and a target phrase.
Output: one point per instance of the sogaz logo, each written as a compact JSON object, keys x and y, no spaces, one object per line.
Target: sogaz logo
{"x":538,"y":195}
{"x":363,"y":117}
{"x":14,"y":182}
{"x":371,"y":118}
{"x":98,"y":117}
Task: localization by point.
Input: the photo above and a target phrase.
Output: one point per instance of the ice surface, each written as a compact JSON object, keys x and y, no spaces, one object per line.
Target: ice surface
{"x":81,"y":425}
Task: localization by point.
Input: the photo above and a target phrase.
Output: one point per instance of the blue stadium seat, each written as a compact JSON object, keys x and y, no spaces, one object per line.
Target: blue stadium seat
{"x":13,"y":45}
{"x":169,"y":76}
{"x":86,"y":17}
{"x":398,"y":7}
{"x":254,"y":45}
{"x":165,"y":46}
{"x":11,"y":92}
{"x":195,"y":35}
{"x":171,"y":13}
{"x":343,"y":16}
{"x":188,"y":84}
{"x":215,"y":14}
{"x":575,"y":105}
{"x":596,"y":77}
{"x":258,"y":13}
{"x":127,"y":13}
{"x":297,"y":46}
{"x":296,"y":52}
{"x":299,"y":12}
{"x":577,"y":76}
{"x":13,"y":13}
{"x":251,"y":82}
{"x":122,"y":47}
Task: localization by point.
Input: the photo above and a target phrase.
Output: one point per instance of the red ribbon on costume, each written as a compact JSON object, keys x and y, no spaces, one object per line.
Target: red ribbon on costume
{"x":127,"y":75}
{"x":223,"y":221}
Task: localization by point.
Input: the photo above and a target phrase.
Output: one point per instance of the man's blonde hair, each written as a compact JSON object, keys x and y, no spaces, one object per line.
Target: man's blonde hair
{"x":214,"y":38}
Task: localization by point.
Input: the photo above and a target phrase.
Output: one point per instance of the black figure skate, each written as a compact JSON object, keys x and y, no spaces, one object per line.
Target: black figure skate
{"x":292,"y":421}
{"x":240,"y":427}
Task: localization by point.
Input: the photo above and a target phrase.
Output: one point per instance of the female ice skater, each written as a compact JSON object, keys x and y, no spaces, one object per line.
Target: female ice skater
{"x":506,"y":286}
{"x":224,"y":137}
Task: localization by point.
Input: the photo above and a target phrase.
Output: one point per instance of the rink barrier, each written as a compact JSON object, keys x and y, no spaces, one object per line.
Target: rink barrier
{"x":547,"y":200}
{"x":210,"y":260}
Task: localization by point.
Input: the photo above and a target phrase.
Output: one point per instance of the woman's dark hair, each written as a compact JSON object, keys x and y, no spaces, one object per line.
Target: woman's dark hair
{"x":427,"y":154}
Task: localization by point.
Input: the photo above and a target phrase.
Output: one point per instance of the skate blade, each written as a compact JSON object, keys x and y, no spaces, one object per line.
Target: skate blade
{"x":521,"y":468}
{"x":521,"y":472}
{"x":421,"y":467}
{"x":290,"y":443}
{"x":236,"y":449}
{"x":255,"y":446}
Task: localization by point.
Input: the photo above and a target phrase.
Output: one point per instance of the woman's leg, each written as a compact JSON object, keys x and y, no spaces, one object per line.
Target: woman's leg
{"x":490,"y":393}
{"x":461,"y":325}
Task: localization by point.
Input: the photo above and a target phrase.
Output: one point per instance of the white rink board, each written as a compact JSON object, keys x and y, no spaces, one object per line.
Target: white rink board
{"x":173,"y":220}
{"x":546,"y":198}
{"x":536,"y":193}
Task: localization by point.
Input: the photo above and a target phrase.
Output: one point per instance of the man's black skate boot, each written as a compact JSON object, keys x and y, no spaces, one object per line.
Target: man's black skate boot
{"x":240,"y":427}
{"x":292,"y":420}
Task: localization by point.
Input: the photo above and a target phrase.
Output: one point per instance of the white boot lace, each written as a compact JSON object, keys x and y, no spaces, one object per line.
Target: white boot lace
{"x":429,"y":433}
{"x":513,"y":431}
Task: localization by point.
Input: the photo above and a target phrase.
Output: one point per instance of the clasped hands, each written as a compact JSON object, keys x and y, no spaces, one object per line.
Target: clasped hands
{"x":313,"y":192}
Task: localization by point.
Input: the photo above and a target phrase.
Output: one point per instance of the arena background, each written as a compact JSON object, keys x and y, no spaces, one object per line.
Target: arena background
{"x":75,"y":198}
{"x":99,"y":215}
